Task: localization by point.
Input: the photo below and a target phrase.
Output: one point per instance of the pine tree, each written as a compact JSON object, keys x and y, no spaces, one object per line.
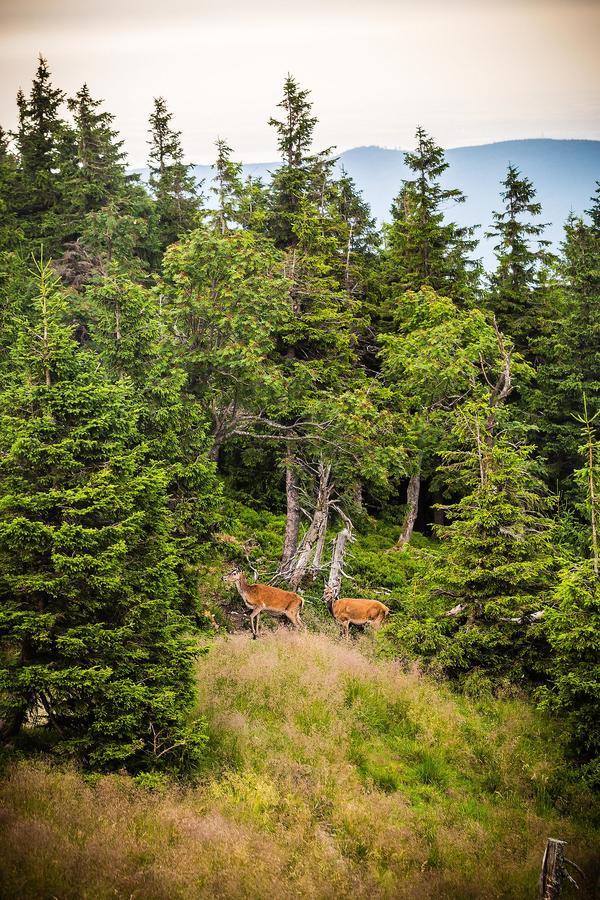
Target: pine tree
{"x":569,"y":346}
{"x":93,"y":643}
{"x":290,"y":184}
{"x":498,"y":561}
{"x":356,"y":232}
{"x":227,"y":188}
{"x":98,"y":166}
{"x":572,"y":625}
{"x":10,"y":231}
{"x":515,"y":286}
{"x":171,"y":180}
{"x":422,"y":248}
{"x":43,"y":142}
{"x":128,"y":327}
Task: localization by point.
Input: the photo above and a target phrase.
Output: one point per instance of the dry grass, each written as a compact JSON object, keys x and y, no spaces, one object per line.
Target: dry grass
{"x":330,"y":775}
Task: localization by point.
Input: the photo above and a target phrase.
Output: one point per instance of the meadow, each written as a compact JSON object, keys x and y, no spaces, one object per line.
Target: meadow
{"x":328,"y":772}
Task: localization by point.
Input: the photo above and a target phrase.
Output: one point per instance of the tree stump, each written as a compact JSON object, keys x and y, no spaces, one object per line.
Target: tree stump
{"x":553,"y":869}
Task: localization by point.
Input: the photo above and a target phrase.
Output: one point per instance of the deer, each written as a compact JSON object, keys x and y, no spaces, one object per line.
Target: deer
{"x":350,"y":611}
{"x":264,"y":598}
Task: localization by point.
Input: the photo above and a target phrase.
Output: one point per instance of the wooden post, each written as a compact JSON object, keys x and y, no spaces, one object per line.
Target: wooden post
{"x":553,"y":869}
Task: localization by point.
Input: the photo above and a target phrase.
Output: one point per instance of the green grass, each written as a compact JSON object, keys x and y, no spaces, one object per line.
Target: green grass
{"x":329,"y":773}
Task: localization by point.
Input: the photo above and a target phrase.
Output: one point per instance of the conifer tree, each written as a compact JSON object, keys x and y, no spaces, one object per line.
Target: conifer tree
{"x":569,"y":346}
{"x":227,"y":188}
{"x":515,"y":286}
{"x":129,"y":328}
{"x":171,"y":180}
{"x":290,"y":182}
{"x":494,"y":576}
{"x":572,"y":625}
{"x":98,"y":167}
{"x":43,"y":141}
{"x":10,"y":230}
{"x":422,"y":248}
{"x":92,"y":637}
{"x":497,"y":568}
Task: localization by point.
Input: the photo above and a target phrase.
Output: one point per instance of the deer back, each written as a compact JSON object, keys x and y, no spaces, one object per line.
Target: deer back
{"x":359,"y":611}
{"x":271,"y":597}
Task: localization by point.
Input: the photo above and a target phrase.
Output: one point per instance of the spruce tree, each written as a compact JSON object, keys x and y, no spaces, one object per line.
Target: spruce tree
{"x":98,"y":167}
{"x":227,"y":188}
{"x":128,"y":326}
{"x":572,"y":625}
{"x":497,"y":568}
{"x":43,"y":142}
{"x":290,"y":183}
{"x":569,"y":346}
{"x":93,"y":642}
{"x":422,"y":248}
{"x":515,"y":286}
{"x":171,"y":180}
{"x":10,"y":229}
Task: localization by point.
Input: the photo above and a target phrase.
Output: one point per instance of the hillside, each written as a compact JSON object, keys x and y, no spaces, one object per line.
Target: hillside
{"x":329,"y":774}
{"x":563,"y":172}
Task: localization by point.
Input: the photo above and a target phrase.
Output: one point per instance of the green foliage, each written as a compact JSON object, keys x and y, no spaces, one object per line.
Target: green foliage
{"x":164,"y":414}
{"x":571,"y":627}
{"x":568,"y":347}
{"x":92,"y":638}
{"x":226,"y":299}
{"x":422,"y":248}
{"x":172,"y":183}
{"x":515,"y":286}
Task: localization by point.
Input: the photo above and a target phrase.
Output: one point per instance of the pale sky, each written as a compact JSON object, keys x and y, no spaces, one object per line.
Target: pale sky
{"x":470,"y":71}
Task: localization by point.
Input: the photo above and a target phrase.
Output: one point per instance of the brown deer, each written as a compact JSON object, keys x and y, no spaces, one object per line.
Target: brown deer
{"x":347,"y":611}
{"x":264,"y":598}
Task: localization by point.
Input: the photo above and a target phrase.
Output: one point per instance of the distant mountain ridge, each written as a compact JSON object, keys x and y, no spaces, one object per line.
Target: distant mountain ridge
{"x":564,"y":173}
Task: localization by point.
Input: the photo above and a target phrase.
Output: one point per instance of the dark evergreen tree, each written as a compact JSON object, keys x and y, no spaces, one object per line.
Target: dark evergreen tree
{"x":515,"y":286}
{"x":422,"y":248}
{"x":97,"y":173}
{"x":172,"y":181}
{"x":569,"y":347}
{"x":572,"y":625}
{"x":10,"y":229}
{"x":289,"y":183}
{"x":227,"y":188}
{"x":91,"y":633}
{"x":43,"y":142}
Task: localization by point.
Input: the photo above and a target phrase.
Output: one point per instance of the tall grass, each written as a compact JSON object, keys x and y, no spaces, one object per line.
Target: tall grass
{"x":329,"y":774}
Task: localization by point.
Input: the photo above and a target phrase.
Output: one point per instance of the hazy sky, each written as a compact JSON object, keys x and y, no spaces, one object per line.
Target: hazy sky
{"x":470,"y":71}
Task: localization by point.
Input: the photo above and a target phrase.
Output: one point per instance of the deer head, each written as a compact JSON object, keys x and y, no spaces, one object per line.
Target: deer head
{"x":233,"y":576}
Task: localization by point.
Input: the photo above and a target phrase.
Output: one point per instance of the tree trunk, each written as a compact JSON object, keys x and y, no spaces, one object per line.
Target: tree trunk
{"x":439,"y":517}
{"x":313,"y":541}
{"x":340,"y":543}
{"x":553,"y":870}
{"x":412,"y":501}
{"x":292,"y":520}
{"x":11,"y":725}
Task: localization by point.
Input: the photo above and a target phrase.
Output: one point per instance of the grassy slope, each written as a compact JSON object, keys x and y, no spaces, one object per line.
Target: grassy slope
{"x":330,"y":774}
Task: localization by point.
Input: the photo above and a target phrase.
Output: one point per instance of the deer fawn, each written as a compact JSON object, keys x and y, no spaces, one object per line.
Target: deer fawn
{"x":347,"y":611}
{"x":264,"y":598}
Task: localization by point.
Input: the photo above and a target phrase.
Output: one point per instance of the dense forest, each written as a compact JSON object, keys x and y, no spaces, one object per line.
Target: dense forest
{"x":256,"y":373}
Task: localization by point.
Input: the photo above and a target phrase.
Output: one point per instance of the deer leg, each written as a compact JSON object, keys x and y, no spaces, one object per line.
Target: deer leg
{"x":254,"y":622}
